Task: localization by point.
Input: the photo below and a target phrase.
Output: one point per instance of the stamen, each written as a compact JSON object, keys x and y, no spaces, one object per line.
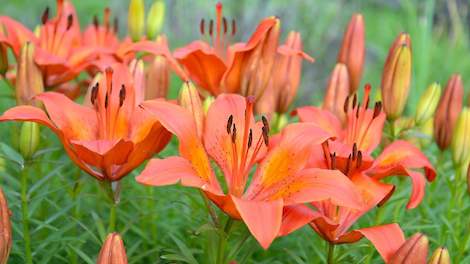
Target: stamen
{"x":326,"y":152}
{"x":229,"y":124}
{"x":265,"y":123}
{"x":250,"y":138}
{"x":348,"y":165}
{"x":45,"y":16}
{"x":354,"y":151}
{"x":234,"y":27}
{"x":359,"y":159}
{"x":265,"y":136}
{"x":69,"y":21}
{"x":224,"y":25}
{"x":333,"y":161}
{"x":357,"y":110}
{"x":377,"y":109}
{"x":211,"y":27}
{"x":202,"y":26}
{"x":354,"y":101}
{"x":106,"y":101}
{"x":122,"y":95}
{"x":346,"y":104}
{"x":116,"y":25}
{"x":96,"y":22}
{"x":94,"y":93}
{"x":234,"y":133}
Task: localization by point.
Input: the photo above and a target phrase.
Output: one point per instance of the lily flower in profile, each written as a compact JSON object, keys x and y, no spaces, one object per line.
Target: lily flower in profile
{"x":243,"y":68}
{"x":280,"y":181}
{"x":109,"y":135}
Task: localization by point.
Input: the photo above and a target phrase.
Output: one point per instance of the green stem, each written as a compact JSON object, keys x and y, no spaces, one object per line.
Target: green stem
{"x":112,"y":218}
{"x":331,"y":253}
{"x":210,"y":210}
{"x":24,"y":206}
{"x":223,"y":241}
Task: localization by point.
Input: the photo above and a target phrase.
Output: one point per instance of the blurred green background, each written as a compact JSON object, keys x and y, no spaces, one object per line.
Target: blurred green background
{"x":160,"y":223}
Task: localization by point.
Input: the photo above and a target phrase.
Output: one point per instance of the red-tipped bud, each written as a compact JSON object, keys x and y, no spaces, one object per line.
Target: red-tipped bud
{"x":414,"y":250}
{"x":396,"y":77}
{"x":352,"y":52}
{"x":337,"y":90}
{"x":113,"y":251}
{"x":447,"y":112}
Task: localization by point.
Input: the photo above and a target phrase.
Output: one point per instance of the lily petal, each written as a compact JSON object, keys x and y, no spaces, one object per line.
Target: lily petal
{"x":295,"y":217}
{"x":387,"y":239}
{"x":322,"y":118}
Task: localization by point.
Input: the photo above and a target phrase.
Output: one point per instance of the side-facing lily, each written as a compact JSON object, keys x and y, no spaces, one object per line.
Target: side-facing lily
{"x":109,"y":135}
{"x":280,"y":181}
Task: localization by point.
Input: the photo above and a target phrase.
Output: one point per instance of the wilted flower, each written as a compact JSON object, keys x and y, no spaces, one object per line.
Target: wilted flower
{"x":280,"y":181}
{"x":5,"y":227}
{"x":396,"y":77}
{"x":29,"y":80}
{"x":113,"y":251}
{"x":136,"y":19}
{"x":109,"y":135}
{"x":440,"y":256}
{"x":285,"y":80}
{"x":427,"y":103}
{"x":448,"y":111}
{"x":155,"y":18}
{"x":460,"y":143}
{"x":353,"y":51}
{"x":337,"y":90}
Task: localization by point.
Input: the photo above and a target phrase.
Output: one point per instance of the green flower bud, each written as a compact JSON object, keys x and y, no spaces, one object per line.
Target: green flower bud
{"x":155,"y":18}
{"x":29,"y":139}
{"x":428,"y":103}
{"x":460,"y":144}
{"x":136,"y":18}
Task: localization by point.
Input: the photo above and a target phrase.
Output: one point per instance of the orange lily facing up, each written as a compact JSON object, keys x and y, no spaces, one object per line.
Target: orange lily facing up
{"x":351,"y":154}
{"x":109,"y":135}
{"x":280,"y":180}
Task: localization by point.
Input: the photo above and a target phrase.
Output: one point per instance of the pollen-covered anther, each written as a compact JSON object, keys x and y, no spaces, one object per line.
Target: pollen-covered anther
{"x":211,"y":27}
{"x":346,"y":104}
{"x":234,"y":27}
{"x":45,"y":16}
{"x":377,"y":109}
{"x":333,"y":161}
{"x":116,"y":25}
{"x":229,"y":124}
{"x":354,"y":101}
{"x":265,"y":135}
{"x":69,"y":21}
{"x":359,"y":159}
{"x":96,"y":22}
{"x":224,"y":25}
{"x":354,"y":151}
{"x":250,"y":138}
{"x":94,"y":93}
{"x":122,"y":95}
{"x":265,"y":123}
{"x":202,"y":26}
{"x":234,"y":134}
{"x":348,"y":165}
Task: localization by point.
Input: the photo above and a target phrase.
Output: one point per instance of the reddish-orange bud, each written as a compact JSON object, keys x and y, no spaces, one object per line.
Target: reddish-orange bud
{"x":353,"y":51}
{"x":157,"y":79}
{"x":3,"y":53}
{"x":337,"y":90}
{"x":448,"y":110}
{"x":414,"y":250}
{"x":29,"y":80}
{"x":396,"y":77}
{"x":5,"y":227}
{"x":113,"y":251}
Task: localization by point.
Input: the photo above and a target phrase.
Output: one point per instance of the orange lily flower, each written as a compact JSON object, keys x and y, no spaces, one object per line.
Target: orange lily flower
{"x":351,"y":154}
{"x":109,"y":135}
{"x":243,"y":68}
{"x":280,"y":180}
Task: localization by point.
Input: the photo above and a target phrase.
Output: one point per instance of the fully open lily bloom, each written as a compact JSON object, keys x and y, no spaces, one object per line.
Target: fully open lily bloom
{"x":279,"y":182}
{"x":109,"y":135}
{"x":350,"y":153}
{"x":243,"y":68}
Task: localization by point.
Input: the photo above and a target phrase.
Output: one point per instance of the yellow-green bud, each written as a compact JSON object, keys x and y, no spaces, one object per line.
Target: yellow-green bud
{"x":136,"y":18}
{"x":29,"y":139}
{"x":207,"y":103}
{"x":460,"y":144}
{"x":155,"y":19}
{"x":428,"y":103}
{"x":440,"y":256}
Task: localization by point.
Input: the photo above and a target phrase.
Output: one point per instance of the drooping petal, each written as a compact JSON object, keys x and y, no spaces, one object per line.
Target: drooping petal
{"x":262,"y":218}
{"x":387,"y":239}
{"x":15,"y":34}
{"x":295,"y":217}
{"x":205,"y":68}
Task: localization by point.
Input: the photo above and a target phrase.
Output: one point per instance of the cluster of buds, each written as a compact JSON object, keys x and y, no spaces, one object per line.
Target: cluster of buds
{"x":136,"y":19}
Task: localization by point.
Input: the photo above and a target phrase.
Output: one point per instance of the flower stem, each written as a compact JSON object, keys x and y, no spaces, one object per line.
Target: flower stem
{"x":331,"y":253}
{"x":112,"y":218}
{"x":223,"y":241}
{"x":25,"y":210}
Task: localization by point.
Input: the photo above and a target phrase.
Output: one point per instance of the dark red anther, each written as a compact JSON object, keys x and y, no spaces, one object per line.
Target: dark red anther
{"x":354,"y":151}
{"x":229,"y":124}
{"x":377,"y":109}
{"x":116,"y":25}
{"x":346,"y":104}
{"x":96,"y":22}
{"x":202,"y":26}
{"x":122,"y":95}
{"x":211,"y":27}
{"x":265,"y":123}
{"x":69,"y":21}
{"x":359,"y":159}
{"x":265,"y":136}
{"x":367,"y":103}
{"x":333,"y":161}
{"x":348,"y":165}
{"x":250,"y":138}
{"x":106,"y":101}
{"x":354,"y":101}
{"x":234,"y":133}
{"x":357,"y":110}
{"x":45,"y":16}
{"x":234,"y":27}
{"x":224,"y":25}
{"x":94,"y":93}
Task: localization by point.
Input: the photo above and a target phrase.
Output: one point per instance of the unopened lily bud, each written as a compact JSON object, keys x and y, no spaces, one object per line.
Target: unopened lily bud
{"x":337,"y":90}
{"x":158,"y":79}
{"x":155,"y":19}
{"x":189,"y":98}
{"x":206,"y":104}
{"x":5,"y":227}
{"x":440,"y":256}
{"x":113,"y":251}
{"x":448,"y":110}
{"x":396,"y":77}
{"x":427,"y":103}
{"x":352,"y":52}
{"x":460,"y":144}
{"x":136,"y":18}
{"x":414,"y":250}
{"x":3,"y":53}
{"x":29,"y":139}
{"x":426,"y":130}
{"x":29,"y":80}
